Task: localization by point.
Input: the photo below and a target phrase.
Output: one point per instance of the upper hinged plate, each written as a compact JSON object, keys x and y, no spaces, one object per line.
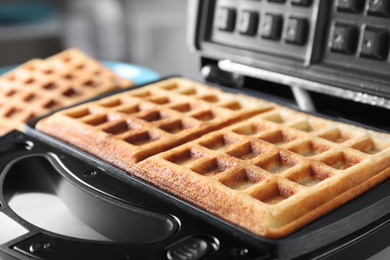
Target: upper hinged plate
{"x":342,"y":44}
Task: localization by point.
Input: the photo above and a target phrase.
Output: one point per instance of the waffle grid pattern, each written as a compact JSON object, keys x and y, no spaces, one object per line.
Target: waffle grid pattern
{"x":279,"y":160}
{"x":264,"y":167}
{"x":40,"y":86}
{"x":151,"y":120}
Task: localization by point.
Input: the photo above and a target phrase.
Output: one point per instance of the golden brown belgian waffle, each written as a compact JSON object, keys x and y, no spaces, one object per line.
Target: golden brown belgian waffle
{"x":264,"y":167}
{"x":40,"y":86}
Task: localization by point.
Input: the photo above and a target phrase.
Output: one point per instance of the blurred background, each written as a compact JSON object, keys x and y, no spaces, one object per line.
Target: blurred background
{"x":148,"y":33}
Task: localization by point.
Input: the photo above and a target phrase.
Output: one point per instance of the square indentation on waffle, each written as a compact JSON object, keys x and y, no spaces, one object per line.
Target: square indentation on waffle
{"x":142,"y":138}
{"x":339,"y":135}
{"x":218,"y":142}
{"x":186,"y":107}
{"x":13,"y":112}
{"x":247,"y":150}
{"x":155,"y":116}
{"x":90,"y":115}
{"x":209,"y":115}
{"x":279,"y":137}
{"x":370,"y":145}
{"x":186,"y":156}
{"x":121,"y":126}
{"x":309,"y":148}
{"x":342,"y":160}
{"x":309,"y":125}
{"x":273,"y":193}
{"x":277,"y":162}
{"x":81,"y":112}
{"x":212,"y":166}
{"x":232,"y":105}
{"x":177,"y":126}
{"x":251,"y":128}
{"x":98,"y":119}
{"x":309,"y":175}
{"x":242,"y":179}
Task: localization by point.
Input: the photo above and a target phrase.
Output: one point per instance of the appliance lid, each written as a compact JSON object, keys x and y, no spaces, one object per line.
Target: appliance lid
{"x":335,"y":48}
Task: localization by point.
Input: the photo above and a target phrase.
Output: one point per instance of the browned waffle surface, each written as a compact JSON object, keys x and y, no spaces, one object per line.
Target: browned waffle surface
{"x":275,"y":172}
{"x":40,"y":86}
{"x":263,"y":167}
{"x":136,"y":124}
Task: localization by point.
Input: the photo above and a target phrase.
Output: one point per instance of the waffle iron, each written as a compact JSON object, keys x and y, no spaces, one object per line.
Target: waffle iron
{"x":328,"y":58}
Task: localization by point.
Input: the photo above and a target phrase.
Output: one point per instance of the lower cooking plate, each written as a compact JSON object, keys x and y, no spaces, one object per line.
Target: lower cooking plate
{"x":107,"y":199}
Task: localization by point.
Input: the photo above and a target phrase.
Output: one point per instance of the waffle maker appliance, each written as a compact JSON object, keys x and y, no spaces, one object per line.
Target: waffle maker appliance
{"x":328,"y":58}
